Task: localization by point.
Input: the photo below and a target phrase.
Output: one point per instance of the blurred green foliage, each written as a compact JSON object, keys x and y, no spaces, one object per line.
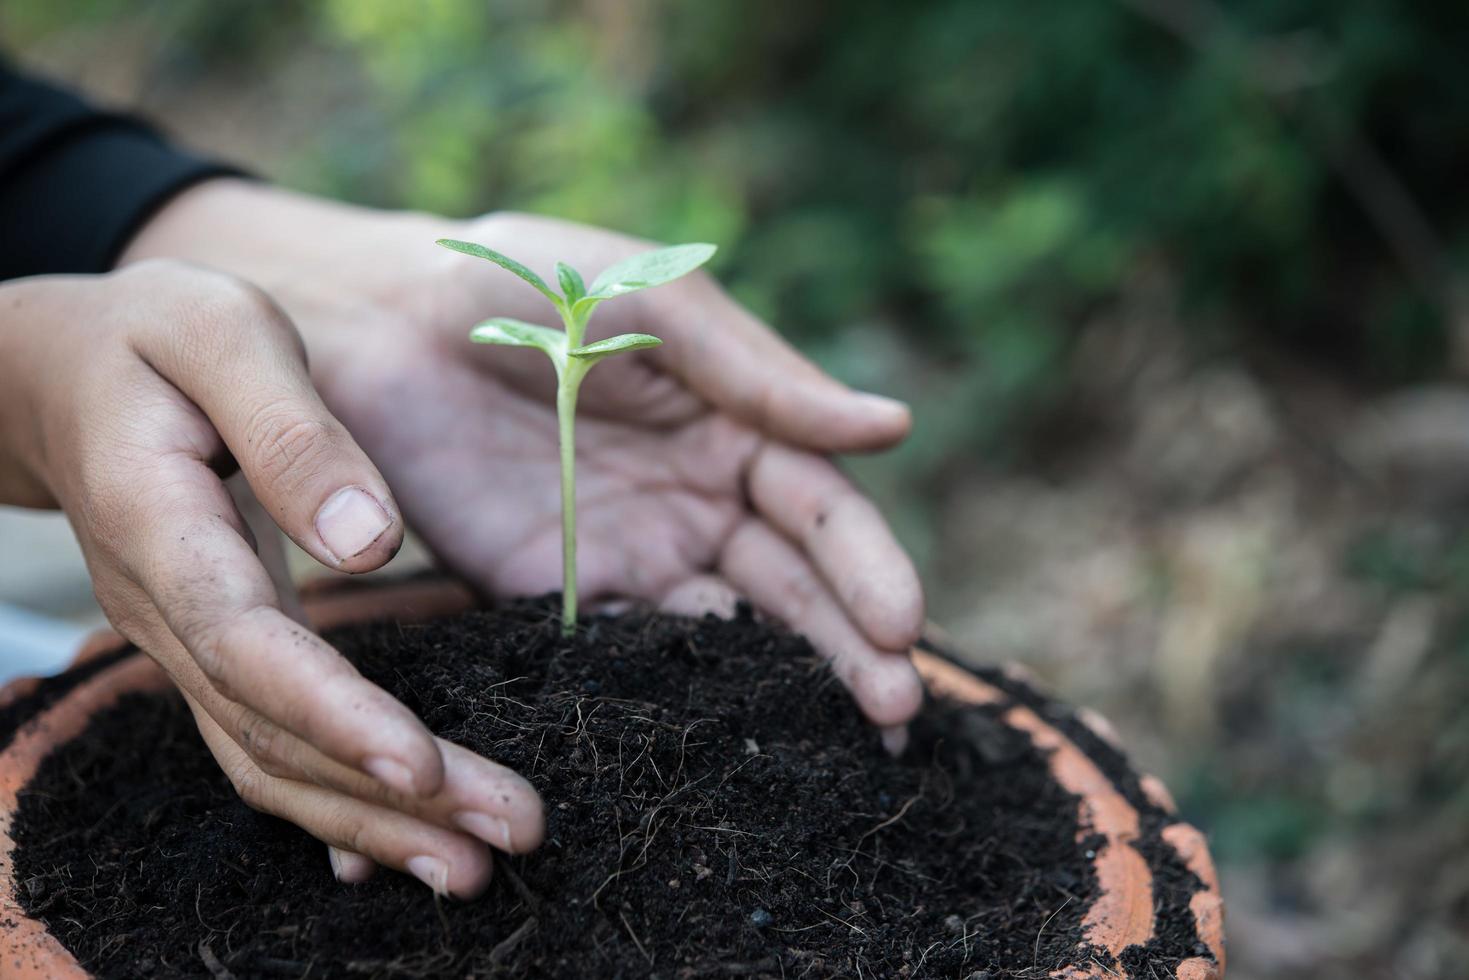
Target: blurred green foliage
{"x":1403,"y":557}
{"x":977,"y":177}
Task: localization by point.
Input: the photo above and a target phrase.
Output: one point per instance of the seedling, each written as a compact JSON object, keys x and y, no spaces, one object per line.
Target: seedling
{"x":572,"y":358}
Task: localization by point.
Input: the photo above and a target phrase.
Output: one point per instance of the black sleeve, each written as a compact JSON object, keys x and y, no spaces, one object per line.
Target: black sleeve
{"x":75,"y":181}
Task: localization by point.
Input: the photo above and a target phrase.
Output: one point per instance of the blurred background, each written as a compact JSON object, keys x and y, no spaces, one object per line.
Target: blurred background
{"x":1179,"y":292}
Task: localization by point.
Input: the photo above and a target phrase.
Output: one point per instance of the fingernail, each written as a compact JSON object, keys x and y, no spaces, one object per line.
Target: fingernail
{"x":431,"y":871}
{"x":492,"y":830}
{"x":895,"y":739}
{"x":391,"y":773}
{"x":349,"y":868}
{"x":884,"y":404}
{"x":349,"y":522}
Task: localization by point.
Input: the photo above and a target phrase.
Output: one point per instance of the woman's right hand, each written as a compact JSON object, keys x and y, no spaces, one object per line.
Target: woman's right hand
{"x":122,"y":398}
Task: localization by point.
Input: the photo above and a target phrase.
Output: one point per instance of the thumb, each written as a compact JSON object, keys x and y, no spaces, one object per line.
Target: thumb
{"x":238,"y":357}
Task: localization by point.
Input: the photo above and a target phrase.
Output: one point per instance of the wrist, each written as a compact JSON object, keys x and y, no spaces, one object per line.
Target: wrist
{"x":22,"y":310}
{"x":251,"y":229}
{"x":327,"y":264}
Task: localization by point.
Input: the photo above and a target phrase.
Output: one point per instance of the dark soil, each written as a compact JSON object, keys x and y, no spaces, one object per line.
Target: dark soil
{"x":715,"y":808}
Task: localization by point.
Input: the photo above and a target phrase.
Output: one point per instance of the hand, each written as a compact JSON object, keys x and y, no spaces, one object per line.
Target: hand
{"x":702,"y":470}
{"x":123,"y":397}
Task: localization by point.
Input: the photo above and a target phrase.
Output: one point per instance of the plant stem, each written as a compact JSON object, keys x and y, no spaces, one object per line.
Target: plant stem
{"x":569,"y":375}
{"x":566,"y":420}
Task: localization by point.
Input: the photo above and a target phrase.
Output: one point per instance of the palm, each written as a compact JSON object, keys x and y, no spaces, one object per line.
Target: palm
{"x":475,"y":468}
{"x":691,"y":485}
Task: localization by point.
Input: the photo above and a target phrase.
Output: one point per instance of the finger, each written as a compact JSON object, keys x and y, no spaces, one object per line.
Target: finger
{"x":479,"y":797}
{"x":612,"y":606}
{"x":268,"y":546}
{"x":225,"y":633}
{"x":769,"y":569}
{"x":700,"y":595}
{"x":895,"y":739}
{"x":450,"y":863}
{"x":727,"y":356}
{"x":845,"y":535}
{"x":349,"y":867}
{"x":237,"y":357}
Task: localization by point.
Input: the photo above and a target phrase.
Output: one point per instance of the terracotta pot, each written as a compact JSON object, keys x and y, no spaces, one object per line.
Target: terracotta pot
{"x":1122,"y":915}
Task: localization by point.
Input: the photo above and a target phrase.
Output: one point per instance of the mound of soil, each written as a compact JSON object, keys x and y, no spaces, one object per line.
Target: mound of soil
{"x":715,"y":808}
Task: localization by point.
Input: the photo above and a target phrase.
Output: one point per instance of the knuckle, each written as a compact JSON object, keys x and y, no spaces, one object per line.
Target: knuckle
{"x":393,"y":799}
{"x":125,"y":616}
{"x":342,"y":823}
{"x":260,"y":738}
{"x":156,"y":269}
{"x":226,"y":299}
{"x":275,"y":769}
{"x":529,"y":827}
{"x":288,"y":448}
{"x":803,"y":591}
{"x":106,"y":504}
{"x":212,"y":661}
{"x":129,"y":518}
{"x":204,"y":596}
{"x":251,"y":784}
{"x":213,"y":640}
{"x":215,"y":313}
{"x":357,"y":834}
{"x":763,"y":407}
{"x":193,"y":286}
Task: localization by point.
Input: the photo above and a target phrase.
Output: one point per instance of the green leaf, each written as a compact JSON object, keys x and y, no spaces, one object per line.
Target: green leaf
{"x":572,"y":286}
{"x":505,"y":262}
{"x":517,"y":333}
{"x":582,"y":309}
{"x":614,"y":345}
{"x":649,"y":269}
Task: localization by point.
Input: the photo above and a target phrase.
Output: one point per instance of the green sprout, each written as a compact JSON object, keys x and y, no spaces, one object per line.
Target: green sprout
{"x":572,"y":358}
